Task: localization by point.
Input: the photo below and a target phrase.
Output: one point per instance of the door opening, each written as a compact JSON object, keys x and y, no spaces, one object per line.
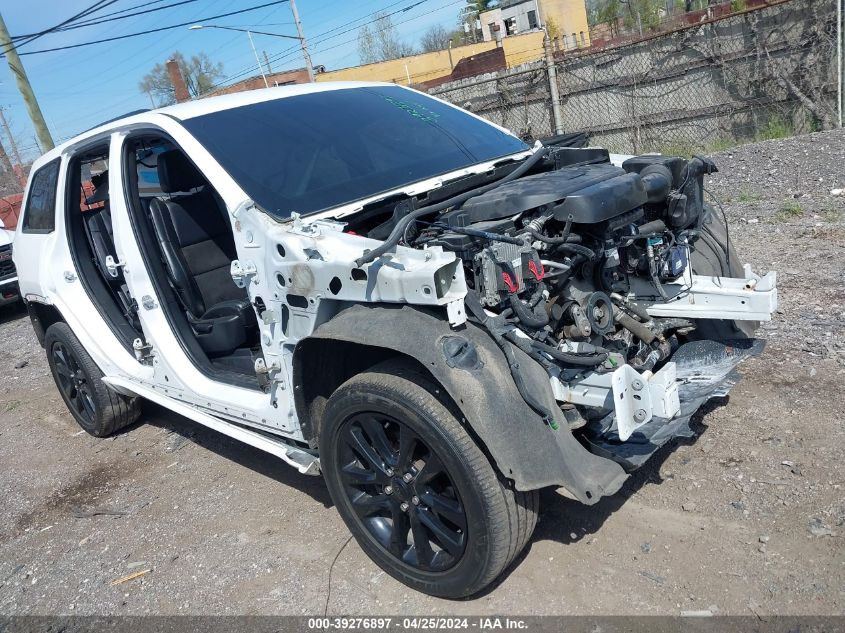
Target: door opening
{"x":92,"y":244}
{"x":183,"y":230}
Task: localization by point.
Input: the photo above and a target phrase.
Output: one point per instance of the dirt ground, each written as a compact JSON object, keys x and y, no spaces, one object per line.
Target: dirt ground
{"x":748,"y":518}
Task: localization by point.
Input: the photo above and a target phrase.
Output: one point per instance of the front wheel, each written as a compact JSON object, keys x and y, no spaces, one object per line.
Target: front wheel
{"x":415,"y":490}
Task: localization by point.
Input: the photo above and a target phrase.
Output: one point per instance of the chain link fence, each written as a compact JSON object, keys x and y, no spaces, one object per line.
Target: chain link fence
{"x":764,"y":73}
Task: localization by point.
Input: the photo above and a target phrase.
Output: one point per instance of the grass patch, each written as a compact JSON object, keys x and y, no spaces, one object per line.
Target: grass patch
{"x":775,"y":128}
{"x":723,"y":144}
{"x":12,"y":405}
{"x":830,"y":215}
{"x":746,"y":195}
{"x":790,"y":210}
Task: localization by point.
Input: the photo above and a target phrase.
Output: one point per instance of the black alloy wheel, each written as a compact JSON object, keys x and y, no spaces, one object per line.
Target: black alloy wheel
{"x":98,"y":409}
{"x":401,"y":492}
{"x":414,"y":487}
{"x":73,"y":383}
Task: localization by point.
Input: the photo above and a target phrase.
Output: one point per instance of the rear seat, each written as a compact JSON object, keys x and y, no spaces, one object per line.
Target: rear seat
{"x":98,"y":228}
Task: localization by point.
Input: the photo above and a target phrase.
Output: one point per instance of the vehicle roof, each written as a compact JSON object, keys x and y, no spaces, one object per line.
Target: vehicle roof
{"x":199,"y":107}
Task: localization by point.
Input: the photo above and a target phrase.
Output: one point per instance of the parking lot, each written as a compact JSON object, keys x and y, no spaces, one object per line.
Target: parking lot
{"x":748,"y":518}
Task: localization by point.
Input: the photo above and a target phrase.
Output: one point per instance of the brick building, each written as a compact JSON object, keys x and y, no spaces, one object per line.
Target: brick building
{"x":284,"y":78}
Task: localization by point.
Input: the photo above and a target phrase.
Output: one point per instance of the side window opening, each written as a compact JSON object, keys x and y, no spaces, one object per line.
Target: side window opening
{"x":185,"y":234}
{"x":40,"y":210}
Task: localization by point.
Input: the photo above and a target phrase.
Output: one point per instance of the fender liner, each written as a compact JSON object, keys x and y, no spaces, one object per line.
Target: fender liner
{"x":475,"y":374}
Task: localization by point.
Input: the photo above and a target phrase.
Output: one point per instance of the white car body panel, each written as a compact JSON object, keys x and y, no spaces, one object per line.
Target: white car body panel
{"x":173,"y":373}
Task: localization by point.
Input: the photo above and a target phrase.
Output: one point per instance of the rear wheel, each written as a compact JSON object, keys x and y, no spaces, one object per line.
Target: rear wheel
{"x":415,"y":490}
{"x":98,"y":410}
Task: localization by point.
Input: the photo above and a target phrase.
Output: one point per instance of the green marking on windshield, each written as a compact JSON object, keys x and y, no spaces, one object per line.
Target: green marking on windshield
{"x":415,"y":110}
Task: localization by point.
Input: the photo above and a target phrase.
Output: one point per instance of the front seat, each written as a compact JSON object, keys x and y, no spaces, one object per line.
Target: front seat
{"x":197,"y":249}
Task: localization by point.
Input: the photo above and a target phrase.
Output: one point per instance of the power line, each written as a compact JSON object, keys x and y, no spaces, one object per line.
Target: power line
{"x":147,"y":32}
{"x":132,"y":8}
{"x":349,"y":30}
{"x":104,"y":15}
{"x":326,"y":34}
{"x":290,"y":51}
{"x":95,"y":22}
{"x":349,"y":41}
{"x":101,"y":4}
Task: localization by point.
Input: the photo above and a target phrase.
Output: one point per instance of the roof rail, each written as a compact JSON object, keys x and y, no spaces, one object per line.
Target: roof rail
{"x":117,"y":118}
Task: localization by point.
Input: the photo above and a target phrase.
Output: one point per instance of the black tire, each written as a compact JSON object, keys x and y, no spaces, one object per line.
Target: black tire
{"x":715,"y":255}
{"x":98,"y":410}
{"x":499,"y":520}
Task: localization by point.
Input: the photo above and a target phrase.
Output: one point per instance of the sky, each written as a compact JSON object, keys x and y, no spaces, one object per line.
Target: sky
{"x":81,"y":87}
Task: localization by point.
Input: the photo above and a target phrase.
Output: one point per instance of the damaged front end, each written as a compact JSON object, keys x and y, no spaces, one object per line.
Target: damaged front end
{"x":577,"y":311}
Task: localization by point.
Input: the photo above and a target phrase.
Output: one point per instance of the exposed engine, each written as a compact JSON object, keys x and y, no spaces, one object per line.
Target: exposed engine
{"x":587,"y":267}
{"x":555,"y":253}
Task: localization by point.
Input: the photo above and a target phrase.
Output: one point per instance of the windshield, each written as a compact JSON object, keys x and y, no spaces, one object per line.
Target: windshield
{"x":322,"y":150}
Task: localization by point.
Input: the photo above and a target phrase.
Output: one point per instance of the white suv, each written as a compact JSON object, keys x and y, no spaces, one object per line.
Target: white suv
{"x":376,"y":286}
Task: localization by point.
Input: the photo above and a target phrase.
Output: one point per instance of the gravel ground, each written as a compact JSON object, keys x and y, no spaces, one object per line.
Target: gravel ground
{"x":746,"y":519}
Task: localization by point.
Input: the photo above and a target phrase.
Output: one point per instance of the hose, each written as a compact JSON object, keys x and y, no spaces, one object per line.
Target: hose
{"x":640,"y":330}
{"x":652,"y":271}
{"x":474,"y":306}
{"x":535,"y":319}
{"x":635,"y":308}
{"x":580,"y":360}
{"x":565,"y":275}
{"x":566,"y":238}
{"x":398,"y":230}
{"x":576,"y":249}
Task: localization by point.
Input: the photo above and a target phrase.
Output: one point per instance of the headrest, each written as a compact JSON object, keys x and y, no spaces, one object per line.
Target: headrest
{"x":101,"y":188}
{"x":177,"y":173}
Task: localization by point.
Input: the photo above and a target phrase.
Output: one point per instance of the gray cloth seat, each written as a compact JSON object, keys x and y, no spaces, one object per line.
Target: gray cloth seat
{"x":197,"y":249}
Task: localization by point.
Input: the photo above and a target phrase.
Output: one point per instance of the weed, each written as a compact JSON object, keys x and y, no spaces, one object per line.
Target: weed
{"x":776,"y":127}
{"x":723,"y":144}
{"x":746,"y":195}
{"x":790,"y":210}
{"x":830,"y":215}
{"x":12,"y":405}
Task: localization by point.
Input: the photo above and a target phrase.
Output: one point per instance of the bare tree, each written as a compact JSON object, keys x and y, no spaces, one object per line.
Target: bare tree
{"x":199,"y":72}
{"x":381,"y":41}
{"x":436,"y":38}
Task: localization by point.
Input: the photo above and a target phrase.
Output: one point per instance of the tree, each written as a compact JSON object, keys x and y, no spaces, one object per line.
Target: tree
{"x":469,"y":14}
{"x":381,"y":42}
{"x":552,"y":28}
{"x":199,"y":72}
{"x":477,"y":7}
{"x":436,"y":38}
{"x":607,"y":12}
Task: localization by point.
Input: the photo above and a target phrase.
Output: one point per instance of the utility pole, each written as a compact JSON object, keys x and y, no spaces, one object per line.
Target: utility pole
{"x":308,"y":66}
{"x":839,"y":27}
{"x":14,"y":145}
{"x":554,"y":92}
{"x":15,"y":65}
{"x":5,"y":163}
{"x":267,"y":63}
{"x":257,"y":59}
